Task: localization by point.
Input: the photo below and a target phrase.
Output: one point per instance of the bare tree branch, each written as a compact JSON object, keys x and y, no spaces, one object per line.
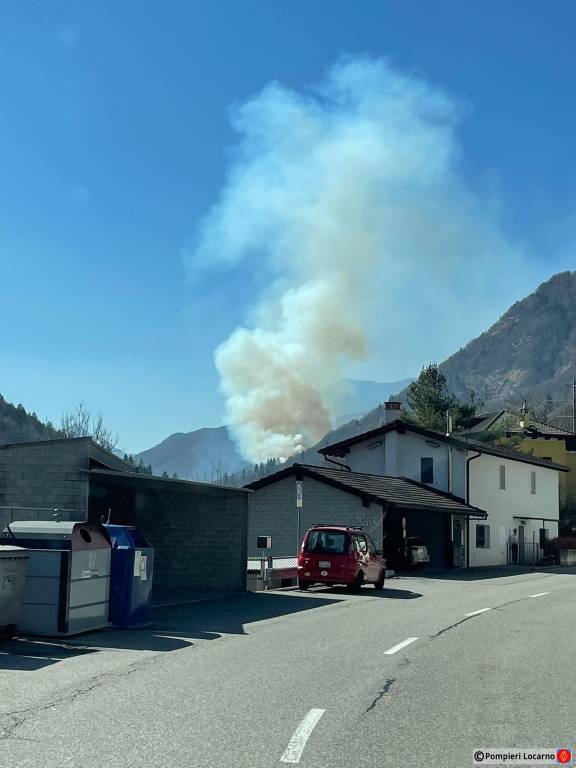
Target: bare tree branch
{"x":79,"y":422}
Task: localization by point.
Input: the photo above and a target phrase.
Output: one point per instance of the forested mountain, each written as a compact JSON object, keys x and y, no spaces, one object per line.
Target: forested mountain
{"x":528,"y":354}
{"x":19,"y":426}
{"x":203,"y":454}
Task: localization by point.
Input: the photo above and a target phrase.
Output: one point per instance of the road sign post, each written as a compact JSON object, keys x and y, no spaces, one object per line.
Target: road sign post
{"x":299,"y":505}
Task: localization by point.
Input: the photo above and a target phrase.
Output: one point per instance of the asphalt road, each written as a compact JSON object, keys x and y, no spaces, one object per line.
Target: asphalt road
{"x":316,"y":679}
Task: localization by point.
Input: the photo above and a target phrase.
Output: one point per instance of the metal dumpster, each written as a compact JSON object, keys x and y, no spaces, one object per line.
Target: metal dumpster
{"x":12,"y":580}
{"x":67,"y":586}
{"x":131,"y":577}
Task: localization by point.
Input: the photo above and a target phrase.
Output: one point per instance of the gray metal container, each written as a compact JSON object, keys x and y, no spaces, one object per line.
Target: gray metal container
{"x":13,"y":562}
{"x":68,"y":578}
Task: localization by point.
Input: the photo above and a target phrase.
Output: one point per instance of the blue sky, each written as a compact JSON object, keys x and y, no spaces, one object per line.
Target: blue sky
{"x":115,"y":139}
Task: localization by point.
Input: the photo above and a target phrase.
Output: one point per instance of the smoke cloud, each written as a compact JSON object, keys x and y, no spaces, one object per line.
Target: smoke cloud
{"x":350,"y":199}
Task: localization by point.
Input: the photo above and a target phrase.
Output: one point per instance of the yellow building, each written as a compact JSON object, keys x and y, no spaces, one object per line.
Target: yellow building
{"x":545,"y":441}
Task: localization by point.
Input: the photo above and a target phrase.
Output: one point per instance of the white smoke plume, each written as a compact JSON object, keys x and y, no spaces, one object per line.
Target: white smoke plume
{"x":350,"y":198}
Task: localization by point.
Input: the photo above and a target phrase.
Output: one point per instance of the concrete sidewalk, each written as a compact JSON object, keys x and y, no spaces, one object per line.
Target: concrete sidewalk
{"x":484,"y":572}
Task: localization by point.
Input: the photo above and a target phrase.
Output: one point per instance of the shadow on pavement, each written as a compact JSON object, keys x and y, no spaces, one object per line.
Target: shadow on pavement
{"x":386,"y":594}
{"x":173,"y":628}
{"x":29,"y":655}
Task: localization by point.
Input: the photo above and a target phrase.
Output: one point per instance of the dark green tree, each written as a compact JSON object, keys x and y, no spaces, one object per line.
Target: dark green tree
{"x":430,"y":400}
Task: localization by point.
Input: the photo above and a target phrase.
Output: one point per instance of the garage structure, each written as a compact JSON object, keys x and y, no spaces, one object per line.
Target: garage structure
{"x":384,"y":506}
{"x":198,"y":530}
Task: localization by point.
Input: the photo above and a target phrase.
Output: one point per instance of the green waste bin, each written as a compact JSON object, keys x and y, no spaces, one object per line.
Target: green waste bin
{"x":13,"y":562}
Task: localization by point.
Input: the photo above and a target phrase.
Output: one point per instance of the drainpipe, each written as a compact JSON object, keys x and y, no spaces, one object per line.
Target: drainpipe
{"x":468,"y":460}
{"x":448,"y":433}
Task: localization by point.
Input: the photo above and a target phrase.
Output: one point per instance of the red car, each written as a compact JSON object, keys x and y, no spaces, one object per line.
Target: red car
{"x":336,"y":554}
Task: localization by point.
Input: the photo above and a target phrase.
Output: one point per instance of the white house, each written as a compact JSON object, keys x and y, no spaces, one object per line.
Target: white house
{"x":517,"y":490}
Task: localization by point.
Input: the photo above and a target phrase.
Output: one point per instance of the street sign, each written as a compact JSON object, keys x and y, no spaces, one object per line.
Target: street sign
{"x":299,"y":494}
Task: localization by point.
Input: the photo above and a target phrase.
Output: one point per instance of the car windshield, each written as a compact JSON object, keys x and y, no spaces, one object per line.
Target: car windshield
{"x":326,"y":543}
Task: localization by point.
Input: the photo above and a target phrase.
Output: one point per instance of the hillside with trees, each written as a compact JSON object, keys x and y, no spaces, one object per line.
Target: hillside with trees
{"x":529,"y":354}
{"x":17,"y":425}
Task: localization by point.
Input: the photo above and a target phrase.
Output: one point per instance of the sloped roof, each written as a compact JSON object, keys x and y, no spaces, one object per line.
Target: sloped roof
{"x":341,"y":448}
{"x":540,"y":428}
{"x":398,"y":491}
{"x":484,"y":422}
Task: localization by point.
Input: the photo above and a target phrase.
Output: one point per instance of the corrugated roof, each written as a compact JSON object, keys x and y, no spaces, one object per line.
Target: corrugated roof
{"x":398,"y":491}
{"x":166,"y":481}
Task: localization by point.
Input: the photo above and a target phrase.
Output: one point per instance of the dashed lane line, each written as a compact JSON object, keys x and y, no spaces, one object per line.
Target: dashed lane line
{"x":403,"y":644}
{"x":296,"y":745}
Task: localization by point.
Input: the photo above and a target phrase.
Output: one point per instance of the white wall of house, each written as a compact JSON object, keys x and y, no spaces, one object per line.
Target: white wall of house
{"x":399,"y":455}
{"x":507,"y":506}
{"x":369,"y":455}
{"x":412,"y":448}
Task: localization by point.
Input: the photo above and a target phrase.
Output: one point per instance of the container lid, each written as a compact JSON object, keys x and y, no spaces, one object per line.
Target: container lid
{"x":48,"y":534}
{"x":9,"y":551}
{"x":35,"y":529}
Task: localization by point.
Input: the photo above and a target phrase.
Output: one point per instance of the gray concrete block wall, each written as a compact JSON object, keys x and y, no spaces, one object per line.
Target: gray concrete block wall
{"x":272,"y":512}
{"x":44,"y":475}
{"x":199,"y":540}
{"x":199,"y":536}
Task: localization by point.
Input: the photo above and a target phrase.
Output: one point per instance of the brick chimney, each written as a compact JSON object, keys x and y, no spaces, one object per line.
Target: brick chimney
{"x":392,"y":411}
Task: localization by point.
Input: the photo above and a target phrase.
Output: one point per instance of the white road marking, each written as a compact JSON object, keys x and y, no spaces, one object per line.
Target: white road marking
{"x":403,"y":644}
{"x":475,"y":613}
{"x":301,"y":735}
{"x":540,"y":594}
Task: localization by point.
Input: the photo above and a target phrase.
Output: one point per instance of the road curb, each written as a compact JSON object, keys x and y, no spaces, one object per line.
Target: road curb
{"x":198,"y":599}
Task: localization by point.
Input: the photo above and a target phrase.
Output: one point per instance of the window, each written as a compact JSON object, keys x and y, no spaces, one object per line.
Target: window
{"x":326,"y":543}
{"x":359,"y":543}
{"x":426,"y":469}
{"x":502,"y":477}
{"x":482,"y":536}
{"x":532,"y":482}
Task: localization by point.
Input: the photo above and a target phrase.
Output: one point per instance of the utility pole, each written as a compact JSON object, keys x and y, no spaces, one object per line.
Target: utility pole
{"x":574,"y":405}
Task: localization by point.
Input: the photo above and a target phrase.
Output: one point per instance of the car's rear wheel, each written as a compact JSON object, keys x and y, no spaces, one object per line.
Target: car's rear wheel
{"x":379,"y":585}
{"x":303,"y":585}
{"x":8,"y":632}
{"x":356,"y":585}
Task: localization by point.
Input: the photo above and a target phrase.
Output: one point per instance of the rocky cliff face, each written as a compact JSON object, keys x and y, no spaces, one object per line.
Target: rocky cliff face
{"x":530,"y":351}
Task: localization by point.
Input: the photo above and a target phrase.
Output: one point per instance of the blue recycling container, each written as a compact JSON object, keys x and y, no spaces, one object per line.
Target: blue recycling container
{"x":130,"y":578}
